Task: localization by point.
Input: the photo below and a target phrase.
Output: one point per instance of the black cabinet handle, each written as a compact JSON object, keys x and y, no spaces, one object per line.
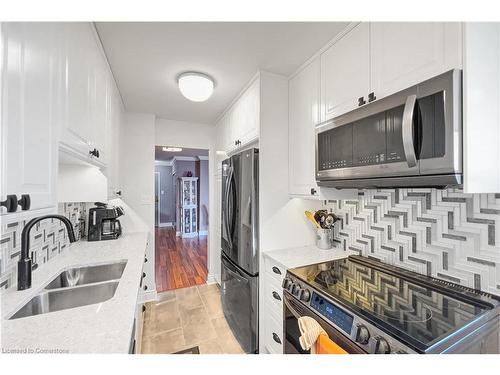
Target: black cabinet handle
{"x":145,"y":260}
{"x":118,"y":192}
{"x":276,"y":338}
{"x":94,"y":153}
{"x":144,"y":274}
{"x":10,"y":203}
{"x":371,"y":97}
{"x":276,"y":296}
{"x":361,"y":101}
{"x":276,"y":270}
{"x":25,"y":202}
{"x":143,"y":308}
{"x":313,"y":191}
{"x":145,"y":287}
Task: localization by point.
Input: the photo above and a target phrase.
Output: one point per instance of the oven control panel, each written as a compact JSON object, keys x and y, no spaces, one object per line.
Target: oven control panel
{"x":366,"y":335}
{"x":335,"y":314}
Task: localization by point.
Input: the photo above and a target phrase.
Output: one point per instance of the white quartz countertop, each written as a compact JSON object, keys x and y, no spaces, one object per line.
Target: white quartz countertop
{"x":99,"y":328}
{"x":302,"y":256}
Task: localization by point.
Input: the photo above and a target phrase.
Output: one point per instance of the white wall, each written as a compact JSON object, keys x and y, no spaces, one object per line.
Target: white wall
{"x":137,"y":157}
{"x":194,"y":135}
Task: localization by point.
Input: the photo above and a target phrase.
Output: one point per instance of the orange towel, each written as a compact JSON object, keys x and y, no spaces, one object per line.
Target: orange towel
{"x":326,"y":346}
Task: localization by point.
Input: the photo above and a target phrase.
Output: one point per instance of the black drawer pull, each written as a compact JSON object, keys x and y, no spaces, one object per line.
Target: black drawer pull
{"x":143,"y":308}
{"x":10,"y":203}
{"x":25,"y":202}
{"x":145,"y":287}
{"x":276,"y":338}
{"x":144,"y":274}
{"x":276,"y":296}
{"x":371,"y":97}
{"x":145,"y":260}
{"x":361,"y":101}
{"x":276,"y":270}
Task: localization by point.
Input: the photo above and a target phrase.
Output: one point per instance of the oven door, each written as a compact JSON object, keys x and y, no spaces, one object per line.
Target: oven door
{"x":292,"y":311}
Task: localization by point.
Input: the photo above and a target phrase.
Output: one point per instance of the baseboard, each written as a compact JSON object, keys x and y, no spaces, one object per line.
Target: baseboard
{"x":211,"y":279}
{"x":166,"y":225}
{"x":203,"y":233}
{"x":149,"y":296}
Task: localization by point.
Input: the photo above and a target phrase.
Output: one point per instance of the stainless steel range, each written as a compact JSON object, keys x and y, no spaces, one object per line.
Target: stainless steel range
{"x":367,"y":306}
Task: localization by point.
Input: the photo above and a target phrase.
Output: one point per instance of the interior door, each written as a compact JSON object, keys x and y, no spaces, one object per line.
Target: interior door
{"x":239,"y":302}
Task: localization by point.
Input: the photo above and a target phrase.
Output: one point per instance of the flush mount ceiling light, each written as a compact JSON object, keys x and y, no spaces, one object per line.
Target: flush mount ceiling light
{"x":172,"y":149}
{"x":195,"y":86}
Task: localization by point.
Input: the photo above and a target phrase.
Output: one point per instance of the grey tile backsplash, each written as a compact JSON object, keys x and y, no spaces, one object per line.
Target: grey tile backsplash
{"x":48,"y":240}
{"x":442,"y":233}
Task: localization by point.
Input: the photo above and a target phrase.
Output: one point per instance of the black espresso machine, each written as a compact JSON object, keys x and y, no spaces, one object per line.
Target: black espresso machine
{"x":104,"y":223}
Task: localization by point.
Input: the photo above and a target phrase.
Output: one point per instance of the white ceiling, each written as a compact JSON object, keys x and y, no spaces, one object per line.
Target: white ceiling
{"x":147,"y":57}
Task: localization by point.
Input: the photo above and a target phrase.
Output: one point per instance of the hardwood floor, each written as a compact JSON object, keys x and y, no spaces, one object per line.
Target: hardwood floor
{"x":180,"y":263}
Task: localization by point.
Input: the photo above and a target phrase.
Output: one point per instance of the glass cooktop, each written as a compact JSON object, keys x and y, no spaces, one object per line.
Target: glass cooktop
{"x":421,"y":314}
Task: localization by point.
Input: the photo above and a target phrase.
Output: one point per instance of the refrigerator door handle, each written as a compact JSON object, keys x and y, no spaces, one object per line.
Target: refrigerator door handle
{"x":233,"y":206}
{"x":226,"y":213}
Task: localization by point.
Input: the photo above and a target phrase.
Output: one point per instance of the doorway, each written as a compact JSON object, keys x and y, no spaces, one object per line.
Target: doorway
{"x":182,"y":214}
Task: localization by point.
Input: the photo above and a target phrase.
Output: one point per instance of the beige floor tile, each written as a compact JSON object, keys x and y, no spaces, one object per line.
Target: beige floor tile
{"x":166,"y":296}
{"x":164,"y":317}
{"x":220,"y":325}
{"x":229,"y":344}
{"x":196,"y":315}
{"x":213,"y":305}
{"x":164,"y":343}
{"x":208,"y":289}
{"x":210,"y":347}
{"x":196,"y":333}
{"x":186,"y":292}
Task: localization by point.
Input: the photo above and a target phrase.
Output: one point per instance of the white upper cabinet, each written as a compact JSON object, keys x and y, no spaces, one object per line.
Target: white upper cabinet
{"x":86,"y":92}
{"x":29,"y":112}
{"x":345,"y":72}
{"x":303,"y":109}
{"x":239,"y":126}
{"x":404,"y":54}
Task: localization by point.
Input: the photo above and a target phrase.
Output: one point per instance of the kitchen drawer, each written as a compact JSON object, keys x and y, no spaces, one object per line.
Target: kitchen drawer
{"x":273,"y":295}
{"x":275,"y":269}
{"x":273,"y":332}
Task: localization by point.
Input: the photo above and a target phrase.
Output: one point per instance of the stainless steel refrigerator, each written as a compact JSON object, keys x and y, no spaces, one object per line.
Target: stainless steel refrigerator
{"x":240,"y":246}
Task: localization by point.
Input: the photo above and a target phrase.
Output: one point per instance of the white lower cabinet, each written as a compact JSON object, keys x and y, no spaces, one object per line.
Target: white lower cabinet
{"x":271,"y":334}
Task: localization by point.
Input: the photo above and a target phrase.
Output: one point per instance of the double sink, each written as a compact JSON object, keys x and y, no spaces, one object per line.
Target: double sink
{"x":75,"y":287}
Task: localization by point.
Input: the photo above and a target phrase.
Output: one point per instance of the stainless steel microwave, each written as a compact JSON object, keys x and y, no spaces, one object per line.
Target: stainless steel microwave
{"x":409,"y":139}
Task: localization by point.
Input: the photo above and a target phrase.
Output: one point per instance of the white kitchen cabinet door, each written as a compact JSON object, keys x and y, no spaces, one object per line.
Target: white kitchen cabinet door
{"x":29,"y":104}
{"x":404,"y":54}
{"x":481,"y":85}
{"x":248,"y":114}
{"x":303,"y":109}
{"x":76,"y":132}
{"x":345,"y":73}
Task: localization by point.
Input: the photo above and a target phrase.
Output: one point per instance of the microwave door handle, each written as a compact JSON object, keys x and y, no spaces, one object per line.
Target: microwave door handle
{"x":407,"y":131}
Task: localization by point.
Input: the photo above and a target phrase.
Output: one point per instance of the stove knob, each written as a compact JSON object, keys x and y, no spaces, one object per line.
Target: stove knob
{"x":362,"y":334}
{"x":295,"y":289}
{"x":304,"y":295}
{"x":286,"y":283}
{"x":382,"y":346}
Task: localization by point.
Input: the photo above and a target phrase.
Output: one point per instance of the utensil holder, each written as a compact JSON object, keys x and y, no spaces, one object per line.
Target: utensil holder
{"x":324,"y":238}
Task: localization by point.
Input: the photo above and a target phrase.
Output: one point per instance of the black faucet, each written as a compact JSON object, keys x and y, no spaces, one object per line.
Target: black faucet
{"x":24,"y":263}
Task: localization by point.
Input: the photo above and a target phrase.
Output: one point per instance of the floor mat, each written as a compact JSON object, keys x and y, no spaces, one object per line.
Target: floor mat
{"x":193,"y":350}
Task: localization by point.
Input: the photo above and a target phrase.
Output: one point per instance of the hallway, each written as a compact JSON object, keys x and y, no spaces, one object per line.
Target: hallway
{"x":180,"y":263}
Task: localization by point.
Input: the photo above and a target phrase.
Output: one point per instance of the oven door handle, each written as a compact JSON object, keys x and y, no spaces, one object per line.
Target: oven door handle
{"x":288,"y":304}
{"x":407,"y":131}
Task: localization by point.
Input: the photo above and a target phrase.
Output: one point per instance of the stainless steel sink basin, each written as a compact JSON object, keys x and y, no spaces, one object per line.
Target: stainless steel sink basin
{"x":87,"y":275}
{"x":62,"y":299}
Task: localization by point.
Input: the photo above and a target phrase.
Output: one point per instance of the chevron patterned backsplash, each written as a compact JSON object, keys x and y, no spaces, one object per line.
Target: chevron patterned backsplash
{"x":48,"y":239}
{"x":441,"y":233}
